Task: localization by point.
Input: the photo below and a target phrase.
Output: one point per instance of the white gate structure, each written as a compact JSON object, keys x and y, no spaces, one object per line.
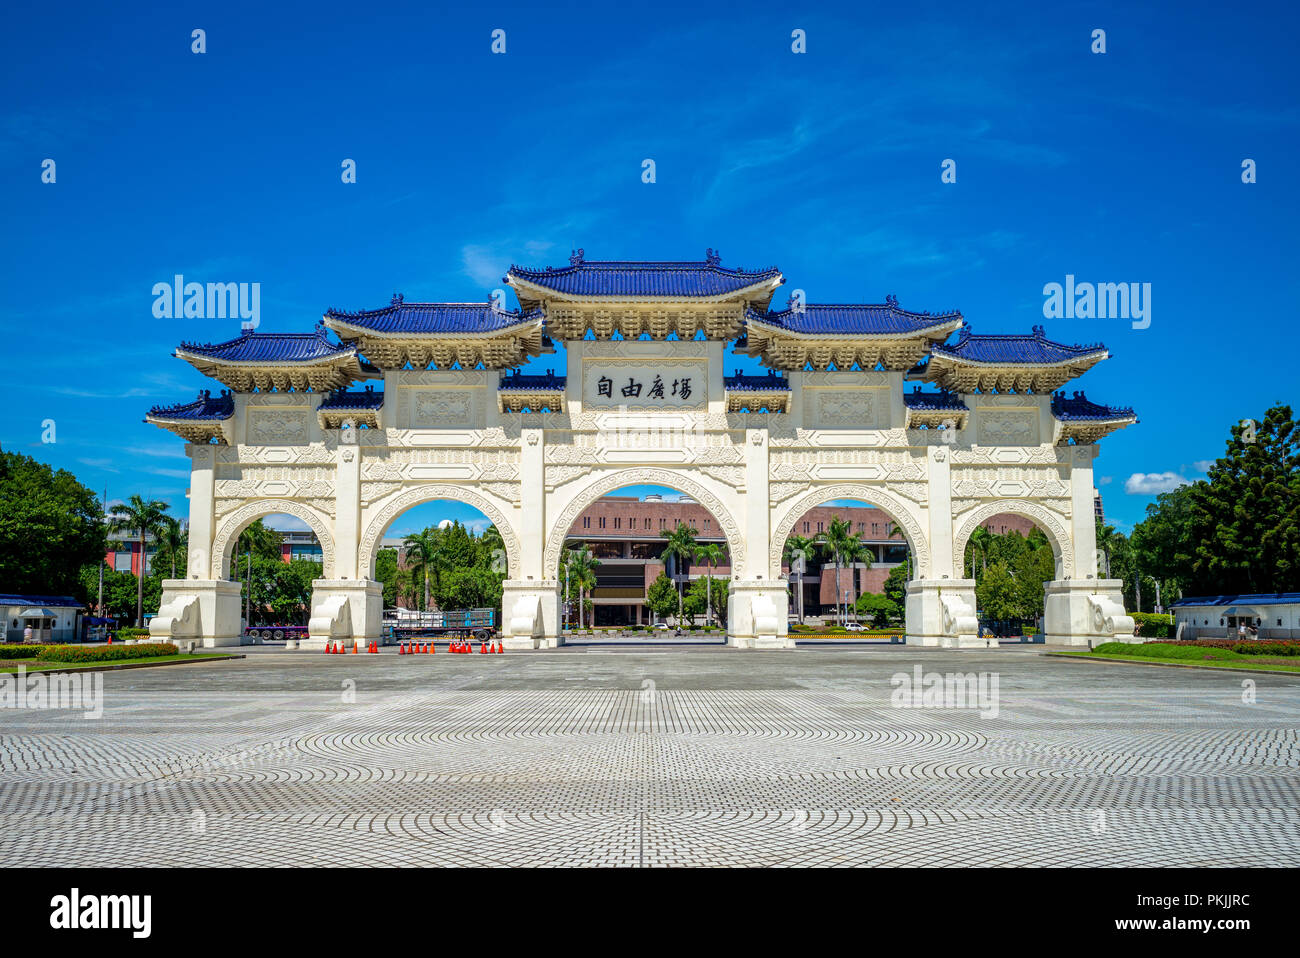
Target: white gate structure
{"x":911,"y":412}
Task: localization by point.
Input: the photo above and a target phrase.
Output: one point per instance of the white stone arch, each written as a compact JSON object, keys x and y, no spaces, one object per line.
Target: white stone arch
{"x":416,"y":495}
{"x":608,"y":482}
{"x":232,"y":525}
{"x":1049,"y":522}
{"x":897,"y":509}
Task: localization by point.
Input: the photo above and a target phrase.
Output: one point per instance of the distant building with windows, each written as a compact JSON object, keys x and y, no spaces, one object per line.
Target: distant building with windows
{"x":625,"y":534}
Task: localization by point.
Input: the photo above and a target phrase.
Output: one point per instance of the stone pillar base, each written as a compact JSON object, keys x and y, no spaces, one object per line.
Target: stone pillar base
{"x":530,"y":614}
{"x":1086,"y":612}
{"x":941,"y":614}
{"x":756,"y":614}
{"x":202,"y":610}
{"x":344,"y":610}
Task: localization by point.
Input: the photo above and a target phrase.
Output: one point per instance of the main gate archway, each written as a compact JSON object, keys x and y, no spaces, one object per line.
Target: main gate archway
{"x":1062,"y":546}
{"x":672,"y":478}
{"x":408,"y":499}
{"x":230,"y":527}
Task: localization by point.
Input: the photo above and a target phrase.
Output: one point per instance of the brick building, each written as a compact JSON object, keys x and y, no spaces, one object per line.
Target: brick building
{"x":623,"y":532}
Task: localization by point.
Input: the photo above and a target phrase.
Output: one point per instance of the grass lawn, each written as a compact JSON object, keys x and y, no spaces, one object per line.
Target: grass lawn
{"x":1216,"y":659}
{"x":11,"y":665}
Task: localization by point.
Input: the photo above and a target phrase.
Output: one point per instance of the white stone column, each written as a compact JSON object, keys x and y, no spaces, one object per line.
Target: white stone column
{"x":530,"y":600}
{"x":198,"y":608}
{"x":757,"y":606}
{"x":1083,"y":517}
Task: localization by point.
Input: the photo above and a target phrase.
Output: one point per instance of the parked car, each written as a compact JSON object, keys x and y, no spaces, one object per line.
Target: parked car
{"x":855,"y":627}
{"x":661,"y":626}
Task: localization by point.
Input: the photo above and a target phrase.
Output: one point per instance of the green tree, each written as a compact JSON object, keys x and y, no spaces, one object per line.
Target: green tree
{"x":582,"y":576}
{"x":173,"y":544}
{"x":386,"y":573}
{"x":680,"y":546}
{"x":978,"y":547}
{"x":51,"y":526}
{"x":144,"y":518}
{"x":1245,"y":518}
{"x":261,"y":540}
{"x":845,"y":547}
{"x":422,"y":559}
{"x":710,"y":554}
{"x":662,"y":597}
{"x":996,"y":592}
{"x":878,"y":609}
{"x":895,"y":588}
{"x":800,"y":547}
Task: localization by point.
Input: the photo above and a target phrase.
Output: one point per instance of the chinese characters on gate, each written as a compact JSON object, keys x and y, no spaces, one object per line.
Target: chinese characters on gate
{"x":680,"y":388}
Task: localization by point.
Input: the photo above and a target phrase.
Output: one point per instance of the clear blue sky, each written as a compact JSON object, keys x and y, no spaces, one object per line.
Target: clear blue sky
{"x":225,"y":167}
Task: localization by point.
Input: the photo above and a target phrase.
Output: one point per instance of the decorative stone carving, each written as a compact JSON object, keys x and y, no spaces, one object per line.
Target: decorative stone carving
{"x":278,"y":428}
{"x":231,"y":526}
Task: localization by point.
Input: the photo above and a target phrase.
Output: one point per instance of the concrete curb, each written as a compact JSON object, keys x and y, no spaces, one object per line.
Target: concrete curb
{"x":121,"y":666}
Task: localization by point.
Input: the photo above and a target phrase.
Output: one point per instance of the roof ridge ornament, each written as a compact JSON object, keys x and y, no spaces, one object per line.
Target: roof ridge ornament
{"x":576,"y":256}
{"x":1039,"y":333}
{"x":397,"y":299}
{"x":712,"y":257}
{"x":891,"y":300}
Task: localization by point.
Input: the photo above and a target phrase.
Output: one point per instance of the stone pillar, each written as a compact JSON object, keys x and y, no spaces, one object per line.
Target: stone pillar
{"x":941,"y":613}
{"x":757,"y":607}
{"x":1086,"y":612}
{"x":344,"y":610}
{"x":208,"y":611}
{"x":530,"y":599}
{"x":1083,"y":517}
{"x":945,"y":564}
{"x":530,"y":614}
{"x":199,"y":607}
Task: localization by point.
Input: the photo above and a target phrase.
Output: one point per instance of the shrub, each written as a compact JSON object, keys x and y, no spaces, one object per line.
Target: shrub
{"x":131,"y":634}
{"x":104,"y":653}
{"x":1151,"y":625}
{"x":20,"y":651}
{"x":1163,"y":650}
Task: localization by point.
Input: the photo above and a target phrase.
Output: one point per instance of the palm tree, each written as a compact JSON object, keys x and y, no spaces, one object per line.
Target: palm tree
{"x":845,"y":546}
{"x":421,"y":556}
{"x":800,"y":547}
{"x":172,"y":540}
{"x":144,"y":519}
{"x":710,"y":554}
{"x":680,"y":546}
{"x":856,"y":552}
{"x":582,"y":573}
{"x":260,"y":539}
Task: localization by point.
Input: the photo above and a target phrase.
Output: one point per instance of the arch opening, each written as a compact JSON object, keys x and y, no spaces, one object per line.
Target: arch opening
{"x":644,"y":557}
{"x":434,"y":551}
{"x":1011,"y":551}
{"x":847,"y":560}
{"x":275,"y":551}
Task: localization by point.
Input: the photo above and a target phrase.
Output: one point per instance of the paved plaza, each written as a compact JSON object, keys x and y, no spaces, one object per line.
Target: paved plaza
{"x":626,"y":756}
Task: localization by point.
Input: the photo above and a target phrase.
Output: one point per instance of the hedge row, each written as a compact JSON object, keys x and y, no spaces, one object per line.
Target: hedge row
{"x":132,"y":633}
{"x":87,"y":653}
{"x":1163,"y":650}
{"x":1248,"y":647}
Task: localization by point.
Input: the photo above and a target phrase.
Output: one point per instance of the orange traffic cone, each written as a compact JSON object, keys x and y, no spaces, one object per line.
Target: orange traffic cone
{"x":401,"y":648}
{"x":433,"y":647}
{"x":354,"y":646}
{"x":500,"y":651}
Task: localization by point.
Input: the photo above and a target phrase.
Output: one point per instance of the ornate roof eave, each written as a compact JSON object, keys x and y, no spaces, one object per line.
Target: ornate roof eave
{"x":494,"y":349}
{"x":758,"y":400}
{"x":783,"y":349}
{"x":1087,"y":431}
{"x":532,"y":400}
{"x":967,"y":376}
{"x":200,"y":431}
{"x":321,"y":375}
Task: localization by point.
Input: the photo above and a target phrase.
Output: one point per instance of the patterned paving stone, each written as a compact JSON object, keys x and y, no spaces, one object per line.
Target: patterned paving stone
{"x":655,"y":759}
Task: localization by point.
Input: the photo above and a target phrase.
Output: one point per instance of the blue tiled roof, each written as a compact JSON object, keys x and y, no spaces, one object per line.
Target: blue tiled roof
{"x":935,"y":401}
{"x":1011,"y":349}
{"x":853,"y":320}
{"x":743,"y":383}
{"x":637,"y":279}
{"x":253,"y":347}
{"x":521,"y":382}
{"x":57,"y":601}
{"x":203,"y":408}
{"x":434,"y":318}
{"x":1080,"y":408}
{"x":1266,"y":598}
{"x":359,"y":399}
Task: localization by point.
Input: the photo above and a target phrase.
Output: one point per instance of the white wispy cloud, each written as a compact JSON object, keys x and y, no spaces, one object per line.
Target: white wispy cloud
{"x":1104,"y":480}
{"x":1153,"y":483}
{"x":1203,"y":465}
